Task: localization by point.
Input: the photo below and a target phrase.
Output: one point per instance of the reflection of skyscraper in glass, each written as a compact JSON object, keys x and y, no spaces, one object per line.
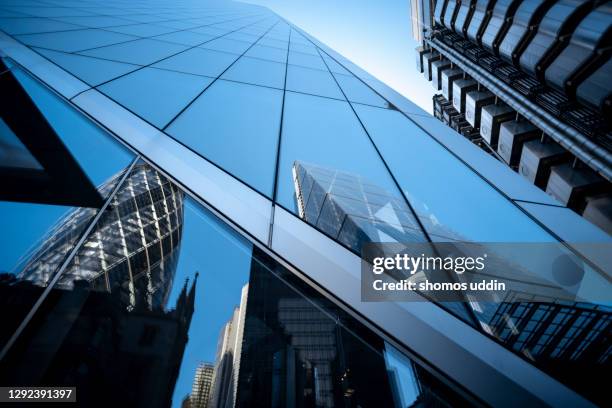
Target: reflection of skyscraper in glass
{"x":350,"y":208}
{"x":202,"y":386}
{"x":133,"y":247}
{"x":296,"y":353}
{"x":568,"y":338}
{"x":229,"y":351}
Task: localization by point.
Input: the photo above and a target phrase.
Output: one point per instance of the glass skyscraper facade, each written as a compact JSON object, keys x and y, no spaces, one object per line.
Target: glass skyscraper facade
{"x":186,"y":188}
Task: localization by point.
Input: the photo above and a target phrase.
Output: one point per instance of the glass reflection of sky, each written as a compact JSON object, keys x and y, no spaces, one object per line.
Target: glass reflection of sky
{"x":223,"y":261}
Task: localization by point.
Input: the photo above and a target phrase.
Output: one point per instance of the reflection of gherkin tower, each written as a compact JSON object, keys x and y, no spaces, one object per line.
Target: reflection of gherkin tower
{"x":132,"y":248}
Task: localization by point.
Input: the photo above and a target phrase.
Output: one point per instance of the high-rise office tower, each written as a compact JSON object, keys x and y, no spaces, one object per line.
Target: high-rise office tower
{"x":237,"y":110}
{"x":529,"y":82}
{"x":202,"y":386}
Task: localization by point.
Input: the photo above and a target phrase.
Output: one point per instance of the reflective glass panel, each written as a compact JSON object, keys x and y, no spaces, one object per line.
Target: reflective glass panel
{"x":94,"y":71}
{"x":312,"y":81}
{"x":74,"y":40}
{"x":257,"y":72}
{"x":49,"y":212}
{"x":357,"y":91}
{"x":242,"y":141}
{"x":199,"y":61}
{"x":267,"y":53}
{"x":154,"y":94}
{"x":166,"y":306}
{"x":100,"y":156}
{"x":142,"y":52}
{"x":331,"y":176}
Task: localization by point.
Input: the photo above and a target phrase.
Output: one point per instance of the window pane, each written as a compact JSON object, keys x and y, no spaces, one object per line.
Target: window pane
{"x":241,"y":141}
{"x":199,"y":61}
{"x":74,"y":40}
{"x":156,"y":95}
{"x":142,"y":52}
{"x":326,"y":156}
{"x":312,"y":81}
{"x":306,"y":60}
{"x":100,"y":156}
{"x":357,"y":91}
{"x":257,"y":72}
{"x":94,"y":71}
{"x":227,"y":45}
{"x":267,"y":53}
{"x":412,"y":154}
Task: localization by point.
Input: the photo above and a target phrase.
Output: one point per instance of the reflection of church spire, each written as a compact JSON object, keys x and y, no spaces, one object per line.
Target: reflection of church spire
{"x":185,"y":304}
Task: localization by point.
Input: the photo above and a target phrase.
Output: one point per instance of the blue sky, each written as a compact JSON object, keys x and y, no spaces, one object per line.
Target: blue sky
{"x":376,"y":35}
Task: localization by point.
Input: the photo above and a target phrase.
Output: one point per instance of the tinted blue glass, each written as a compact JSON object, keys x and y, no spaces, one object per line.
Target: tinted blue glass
{"x":298,"y":38}
{"x":185,"y":38}
{"x":33,"y":25}
{"x":95,"y":21}
{"x":5,"y":13}
{"x":210,"y":30}
{"x":517,"y":188}
{"x":304,"y":48}
{"x":178,"y":24}
{"x":267,"y":53}
{"x":98,"y":154}
{"x":306,"y":60}
{"x":257,"y":72}
{"x":566,"y":223}
{"x":16,"y":241}
{"x":141,"y":52}
{"x":236,"y":126}
{"x":430,"y":177}
{"x":202,"y":304}
{"x":199,"y":61}
{"x":273,"y":42}
{"x":312,"y":81}
{"x":242,"y":36}
{"x":71,"y":41}
{"x":28,"y":227}
{"x":145,"y":18}
{"x":325,"y":132}
{"x":94,"y":71}
{"x":141,"y":30}
{"x":227,"y":45}
{"x":156,"y":94}
{"x":34,"y":9}
{"x":357,"y":91}
{"x":334,"y":66}
{"x":13,"y":152}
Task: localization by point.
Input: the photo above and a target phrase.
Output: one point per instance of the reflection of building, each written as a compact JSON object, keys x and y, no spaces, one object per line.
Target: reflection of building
{"x":202,"y":386}
{"x":109,"y":304}
{"x":133,"y":247}
{"x":88,"y":340}
{"x":295,"y":354}
{"x":229,"y":351}
{"x":529,"y":82}
{"x":567,"y":338}
{"x":351,"y":209}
